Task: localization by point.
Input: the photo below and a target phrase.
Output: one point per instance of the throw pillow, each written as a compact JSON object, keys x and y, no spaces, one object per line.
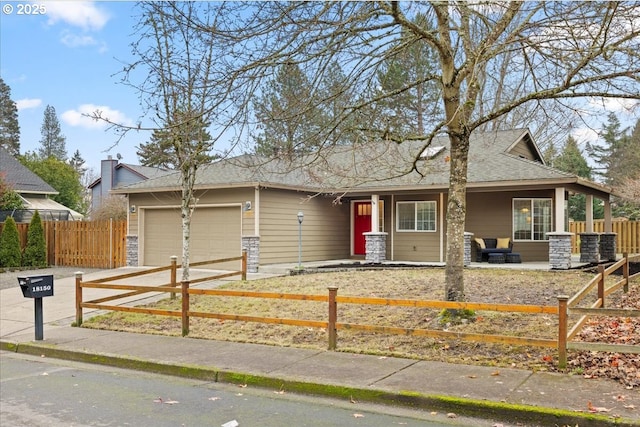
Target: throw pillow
{"x":503,"y":243}
{"x":480,"y":243}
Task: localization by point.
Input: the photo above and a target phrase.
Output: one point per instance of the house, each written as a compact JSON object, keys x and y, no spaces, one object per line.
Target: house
{"x":34,"y":191}
{"x":374,"y":202}
{"x":113,"y":173}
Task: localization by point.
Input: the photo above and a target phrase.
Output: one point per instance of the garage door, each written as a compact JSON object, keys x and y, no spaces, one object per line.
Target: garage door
{"x":215,"y":233}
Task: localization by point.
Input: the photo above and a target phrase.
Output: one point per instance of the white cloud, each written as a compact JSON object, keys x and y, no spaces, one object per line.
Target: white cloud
{"x":81,"y":117}
{"x":25,"y":104}
{"x":83,"y":14}
{"x":585,"y":134}
{"x":73,"y":40}
{"x":616,"y":105}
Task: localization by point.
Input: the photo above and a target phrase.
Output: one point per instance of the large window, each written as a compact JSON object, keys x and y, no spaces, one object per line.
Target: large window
{"x":416,"y":216}
{"x":532,"y":219}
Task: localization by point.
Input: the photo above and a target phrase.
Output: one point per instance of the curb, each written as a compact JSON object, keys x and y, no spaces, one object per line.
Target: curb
{"x":514,"y":413}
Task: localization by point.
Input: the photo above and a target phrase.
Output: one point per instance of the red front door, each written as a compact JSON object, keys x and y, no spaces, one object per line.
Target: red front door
{"x":361,"y":224}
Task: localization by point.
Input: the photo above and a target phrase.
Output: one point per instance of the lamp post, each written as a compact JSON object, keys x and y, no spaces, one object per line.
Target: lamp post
{"x":300,"y":218}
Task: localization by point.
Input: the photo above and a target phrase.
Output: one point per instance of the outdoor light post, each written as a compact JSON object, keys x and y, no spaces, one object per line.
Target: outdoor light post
{"x":300,"y":218}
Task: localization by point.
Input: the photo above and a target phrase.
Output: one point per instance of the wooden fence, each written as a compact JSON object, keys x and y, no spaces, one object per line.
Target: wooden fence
{"x":627,"y":239}
{"x":565,"y":306}
{"x":89,"y":244}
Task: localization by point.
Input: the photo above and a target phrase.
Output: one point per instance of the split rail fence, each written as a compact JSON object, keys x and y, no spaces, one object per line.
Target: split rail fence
{"x":566,"y":306}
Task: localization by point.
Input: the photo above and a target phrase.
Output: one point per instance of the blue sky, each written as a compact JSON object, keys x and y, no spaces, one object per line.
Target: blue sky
{"x":69,"y":58}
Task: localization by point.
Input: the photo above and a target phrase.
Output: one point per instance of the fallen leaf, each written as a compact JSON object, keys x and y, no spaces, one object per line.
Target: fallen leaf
{"x":232,"y":423}
{"x":352,"y":400}
{"x":171,"y":402}
{"x":242,"y":385}
{"x":45,"y":374}
{"x":434,"y":413}
{"x":596,"y":408}
{"x":214,"y":398}
{"x":358,"y":416}
{"x":495,"y":374}
{"x":632,"y":407}
{"x":451,"y":415}
{"x":472,"y":376}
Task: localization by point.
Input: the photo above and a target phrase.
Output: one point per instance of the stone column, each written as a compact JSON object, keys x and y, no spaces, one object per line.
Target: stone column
{"x":608,"y":248}
{"x":375,"y":247}
{"x":589,"y":251}
{"x":132,"y":251}
{"x":560,"y":250}
{"x":468,"y":237}
{"x":251,"y":244}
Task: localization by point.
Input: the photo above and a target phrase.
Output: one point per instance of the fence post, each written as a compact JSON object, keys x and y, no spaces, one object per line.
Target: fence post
{"x":78,"y":299}
{"x":174,"y":270}
{"x":625,"y":272}
{"x":601,"y":285}
{"x":244,"y":265}
{"x":562,"y":331}
{"x":333,"y":317}
{"x":185,"y":308}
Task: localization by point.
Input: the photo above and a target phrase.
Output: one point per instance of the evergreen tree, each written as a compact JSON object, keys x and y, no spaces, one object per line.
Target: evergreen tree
{"x":572,"y":160}
{"x":35,"y":253}
{"x":9,"y":127}
{"x":10,"y":254}
{"x":160,"y":151}
{"x":77,"y":163}
{"x":287,"y":115}
{"x":53,"y":143}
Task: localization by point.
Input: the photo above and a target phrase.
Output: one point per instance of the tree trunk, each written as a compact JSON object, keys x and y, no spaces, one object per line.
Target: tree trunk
{"x":456,"y":214}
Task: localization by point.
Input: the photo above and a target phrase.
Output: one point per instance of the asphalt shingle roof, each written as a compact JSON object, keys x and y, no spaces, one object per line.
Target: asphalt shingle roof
{"x":20,"y":177}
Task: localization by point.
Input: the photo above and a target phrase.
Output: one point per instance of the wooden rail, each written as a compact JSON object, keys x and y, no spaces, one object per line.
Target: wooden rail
{"x":565,"y":306}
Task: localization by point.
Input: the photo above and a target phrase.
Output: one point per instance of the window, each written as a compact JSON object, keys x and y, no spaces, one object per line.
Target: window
{"x":416,"y":216}
{"x":532,"y":219}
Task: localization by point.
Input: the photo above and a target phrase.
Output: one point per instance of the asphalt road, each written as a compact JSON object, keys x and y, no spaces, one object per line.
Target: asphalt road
{"x":47,"y":392}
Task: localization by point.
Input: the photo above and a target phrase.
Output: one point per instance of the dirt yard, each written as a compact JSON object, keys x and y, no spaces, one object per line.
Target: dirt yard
{"x":484,"y":286}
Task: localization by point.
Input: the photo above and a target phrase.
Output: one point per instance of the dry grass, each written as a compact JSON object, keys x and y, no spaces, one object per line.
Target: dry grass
{"x":486,"y":285}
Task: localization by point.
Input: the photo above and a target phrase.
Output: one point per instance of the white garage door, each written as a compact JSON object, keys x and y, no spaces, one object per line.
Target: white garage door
{"x":215,"y":233}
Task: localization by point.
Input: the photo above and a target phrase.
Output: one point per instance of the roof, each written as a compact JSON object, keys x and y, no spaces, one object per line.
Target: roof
{"x":382,"y":167}
{"x":144,"y":172}
{"x":22,"y":180}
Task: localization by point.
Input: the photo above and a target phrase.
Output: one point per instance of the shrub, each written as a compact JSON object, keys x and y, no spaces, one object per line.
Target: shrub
{"x":35,"y":253}
{"x":10,"y":255}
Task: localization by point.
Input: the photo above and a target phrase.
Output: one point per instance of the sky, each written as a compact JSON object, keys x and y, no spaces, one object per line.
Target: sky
{"x":69,"y":55}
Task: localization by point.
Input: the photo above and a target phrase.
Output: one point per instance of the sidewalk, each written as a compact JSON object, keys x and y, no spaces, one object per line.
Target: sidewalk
{"x":512,"y":395}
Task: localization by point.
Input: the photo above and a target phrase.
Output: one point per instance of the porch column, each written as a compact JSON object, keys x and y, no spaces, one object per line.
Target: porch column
{"x":560,"y":250}
{"x":608,"y":247}
{"x":589,"y":213}
{"x":132,"y":251}
{"x":589,"y":251}
{"x":375,"y":247}
{"x":468,"y":237}
{"x":375,"y":221}
{"x":559,"y":210}
{"x":608,"y":223}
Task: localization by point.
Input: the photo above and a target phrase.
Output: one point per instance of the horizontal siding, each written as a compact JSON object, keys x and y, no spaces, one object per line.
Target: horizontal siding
{"x":325,"y":228}
{"x":416,"y":246}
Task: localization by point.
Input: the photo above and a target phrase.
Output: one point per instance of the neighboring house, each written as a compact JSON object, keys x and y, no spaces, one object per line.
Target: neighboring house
{"x":347,"y":192}
{"x":34,"y":191}
{"x":114,"y":174}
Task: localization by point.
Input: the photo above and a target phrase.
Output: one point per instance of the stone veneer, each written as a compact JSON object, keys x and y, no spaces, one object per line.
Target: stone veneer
{"x":560,"y":250}
{"x":132,"y":251}
{"x":375,"y":247}
{"x":589,"y":251}
{"x":468,"y":237}
{"x":608,"y":246}
{"x":251,"y":244}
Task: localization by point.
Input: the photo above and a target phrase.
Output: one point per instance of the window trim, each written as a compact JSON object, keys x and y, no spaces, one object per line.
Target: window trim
{"x":531,"y":201}
{"x":415,"y":204}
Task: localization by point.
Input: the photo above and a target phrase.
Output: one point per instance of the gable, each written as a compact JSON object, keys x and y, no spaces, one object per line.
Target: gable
{"x":526,"y":148}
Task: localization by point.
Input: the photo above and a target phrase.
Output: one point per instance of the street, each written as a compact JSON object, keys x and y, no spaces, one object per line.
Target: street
{"x":52,"y":392}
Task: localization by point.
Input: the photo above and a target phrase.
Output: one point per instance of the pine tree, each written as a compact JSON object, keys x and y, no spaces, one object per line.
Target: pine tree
{"x":77,"y":163}
{"x":53,"y":143}
{"x":9,"y":127}
{"x":10,"y":254}
{"x":35,"y":253}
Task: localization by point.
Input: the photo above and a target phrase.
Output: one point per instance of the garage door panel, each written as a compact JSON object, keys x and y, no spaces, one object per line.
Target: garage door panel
{"x":215,"y":233}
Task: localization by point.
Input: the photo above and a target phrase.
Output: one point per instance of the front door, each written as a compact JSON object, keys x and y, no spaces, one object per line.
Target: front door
{"x":361,"y":225}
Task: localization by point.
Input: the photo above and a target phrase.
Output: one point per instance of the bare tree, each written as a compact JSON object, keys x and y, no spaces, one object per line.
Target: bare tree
{"x":550,"y":53}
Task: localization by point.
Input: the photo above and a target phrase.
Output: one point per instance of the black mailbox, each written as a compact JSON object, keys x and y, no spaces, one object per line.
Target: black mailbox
{"x":36,"y":286}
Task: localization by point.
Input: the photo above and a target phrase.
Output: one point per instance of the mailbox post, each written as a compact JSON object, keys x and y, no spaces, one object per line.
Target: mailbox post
{"x":37,"y":287}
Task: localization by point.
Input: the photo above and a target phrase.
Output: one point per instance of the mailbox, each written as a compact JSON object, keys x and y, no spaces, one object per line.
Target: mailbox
{"x":36,"y":286}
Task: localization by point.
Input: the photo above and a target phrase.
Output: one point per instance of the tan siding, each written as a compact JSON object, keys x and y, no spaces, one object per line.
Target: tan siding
{"x":417,"y":246}
{"x":490,"y":215}
{"x":522,"y":149}
{"x":325,"y":228}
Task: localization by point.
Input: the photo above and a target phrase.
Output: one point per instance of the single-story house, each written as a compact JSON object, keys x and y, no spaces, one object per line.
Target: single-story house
{"x":374,"y":202}
{"x":113,"y":174}
{"x":34,"y":191}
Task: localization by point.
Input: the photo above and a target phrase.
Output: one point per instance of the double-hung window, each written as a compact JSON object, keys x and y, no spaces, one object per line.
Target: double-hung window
{"x":532,"y":219}
{"x":416,"y":216}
